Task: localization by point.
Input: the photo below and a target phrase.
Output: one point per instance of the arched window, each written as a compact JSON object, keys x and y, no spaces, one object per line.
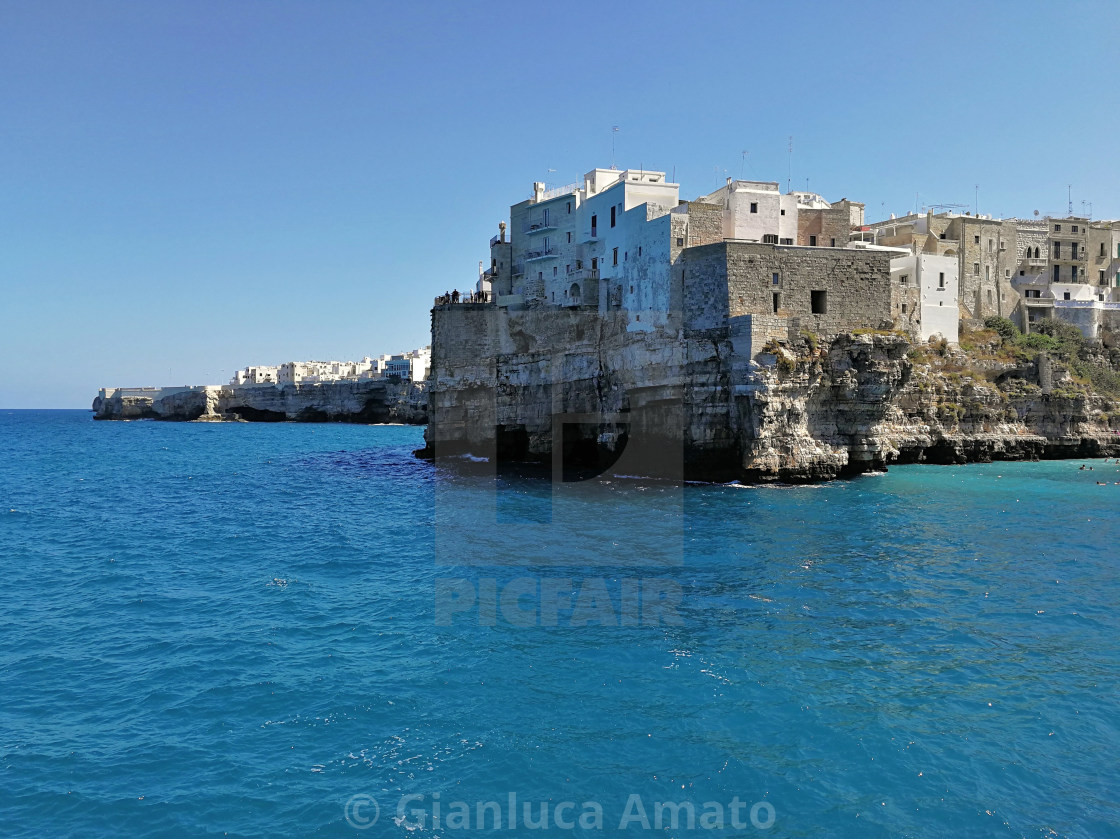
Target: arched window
{"x":573,"y":293}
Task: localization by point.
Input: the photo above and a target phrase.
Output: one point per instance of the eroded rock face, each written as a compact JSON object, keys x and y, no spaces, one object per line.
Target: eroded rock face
{"x":358,"y":402}
{"x":798,"y":411}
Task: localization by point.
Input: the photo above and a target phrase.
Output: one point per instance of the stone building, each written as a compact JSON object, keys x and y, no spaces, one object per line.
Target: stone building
{"x":985,"y":249}
{"x":827,"y":290}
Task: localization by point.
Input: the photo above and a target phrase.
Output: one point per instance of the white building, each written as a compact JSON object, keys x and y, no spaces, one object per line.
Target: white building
{"x":757,"y":211}
{"x":256,"y":375}
{"x":579,"y":244}
{"x":927,"y":294}
{"x":410,"y":366}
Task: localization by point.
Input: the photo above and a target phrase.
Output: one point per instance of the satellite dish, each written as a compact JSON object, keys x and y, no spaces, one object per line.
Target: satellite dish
{"x":1036,"y":213}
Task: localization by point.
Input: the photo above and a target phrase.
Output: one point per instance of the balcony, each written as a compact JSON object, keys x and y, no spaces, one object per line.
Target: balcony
{"x":1036,"y":262}
{"x":540,"y":253}
{"x":577,"y":275}
{"x":593,"y":236}
{"x":539,"y":226}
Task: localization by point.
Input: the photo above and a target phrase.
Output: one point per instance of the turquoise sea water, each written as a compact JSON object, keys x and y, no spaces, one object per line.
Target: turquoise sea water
{"x":236,"y":629}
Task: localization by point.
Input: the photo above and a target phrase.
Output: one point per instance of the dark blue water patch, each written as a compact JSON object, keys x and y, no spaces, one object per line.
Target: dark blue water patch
{"x":232,"y":629}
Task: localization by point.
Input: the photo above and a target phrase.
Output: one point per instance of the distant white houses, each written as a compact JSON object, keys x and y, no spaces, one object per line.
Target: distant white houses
{"x":407,"y":366}
{"x":256,"y":375}
{"x":411,"y":366}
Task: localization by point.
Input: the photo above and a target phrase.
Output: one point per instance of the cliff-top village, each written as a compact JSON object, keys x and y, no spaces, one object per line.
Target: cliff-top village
{"x":623,"y":240}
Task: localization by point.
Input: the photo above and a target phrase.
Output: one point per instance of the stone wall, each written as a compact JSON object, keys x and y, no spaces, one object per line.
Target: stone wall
{"x":705,"y":224}
{"x":832,"y":227}
{"x":737,"y":278}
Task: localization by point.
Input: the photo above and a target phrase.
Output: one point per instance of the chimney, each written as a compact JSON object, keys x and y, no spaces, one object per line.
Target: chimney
{"x":502,"y":232}
{"x":538,"y":192}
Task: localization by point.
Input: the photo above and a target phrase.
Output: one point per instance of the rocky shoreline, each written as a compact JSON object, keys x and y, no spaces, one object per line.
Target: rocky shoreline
{"x":796,"y":410}
{"x":373,"y":401}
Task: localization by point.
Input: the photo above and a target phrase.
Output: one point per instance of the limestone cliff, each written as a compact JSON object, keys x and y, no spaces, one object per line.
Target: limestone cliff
{"x":749,"y":402}
{"x":374,"y":401}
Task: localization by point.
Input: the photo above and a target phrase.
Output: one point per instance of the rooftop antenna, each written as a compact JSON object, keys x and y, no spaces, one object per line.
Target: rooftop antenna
{"x":743,"y":165}
{"x":976,"y":200}
{"x":614,"y":131}
{"x":789,"y":172}
{"x":1069,"y":195}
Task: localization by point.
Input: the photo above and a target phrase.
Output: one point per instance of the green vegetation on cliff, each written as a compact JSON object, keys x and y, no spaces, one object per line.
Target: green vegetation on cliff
{"x":1063,"y":342}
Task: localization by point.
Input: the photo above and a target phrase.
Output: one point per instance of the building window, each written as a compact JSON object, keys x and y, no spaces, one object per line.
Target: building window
{"x":783,"y":212}
{"x":540,"y":275}
{"x":569,"y":238}
{"x":614,"y":257}
{"x":594,"y":226}
{"x":769,"y":239}
{"x":941,"y":280}
{"x":989,"y":297}
{"x":1065,"y":296}
{"x":991,"y":246}
{"x":754,"y":207}
{"x":774,"y":279}
{"x":1103,"y":250}
{"x":626,"y":256}
{"x":631,"y":289}
{"x":554,"y":270}
{"x":1003,"y":246}
{"x":902,"y":280}
{"x":613,"y":209}
{"x":987,"y":272}
{"x":1055,"y":273}
{"x":903,"y":308}
{"x":976,"y":240}
{"x":1057,"y":250}
{"x":818,"y":300}
{"x":1073,"y":249}
{"x":1006,"y":273}
{"x":1075,"y":228}
{"x":812,"y":241}
{"x":777,"y":300}
{"x":639,"y":250}
{"x":569,"y":208}
{"x":680,"y":241}
{"x":1103,"y":278}
{"x":594,"y":263}
{"x":1057,"y":228}
{"x":786,"y":241}
{"x":832,"y":243}
{"x":976,"y":268}
{"x":1073,"y":272}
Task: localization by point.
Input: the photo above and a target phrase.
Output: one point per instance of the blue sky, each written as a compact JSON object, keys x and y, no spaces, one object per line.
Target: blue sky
{"x":187,"y":188}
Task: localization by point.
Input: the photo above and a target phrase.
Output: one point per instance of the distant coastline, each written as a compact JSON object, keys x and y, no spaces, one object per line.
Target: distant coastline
{"x":373,"y":401}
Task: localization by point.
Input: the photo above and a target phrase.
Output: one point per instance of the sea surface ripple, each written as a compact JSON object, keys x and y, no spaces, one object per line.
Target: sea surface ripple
{"x":232,"y":630}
